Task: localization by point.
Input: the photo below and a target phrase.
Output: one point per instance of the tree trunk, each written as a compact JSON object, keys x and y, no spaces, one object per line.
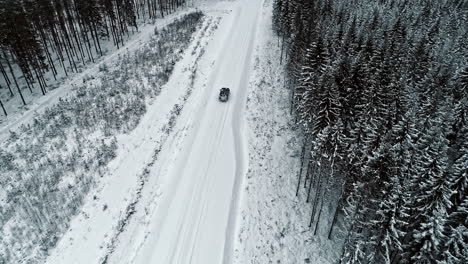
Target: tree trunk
{"x":58,"y":49}
{"x":309,"y":171}
{"x":300,"y":170}
{"x":85,"y":37}
{"x":317,"y":195}
{"x":337,"y":209}
{"x":46,"y":49}
{"x":14,"y":77}
{"x":7,"y":80}
{"x":29,"y":80}
{"x":293,"y":92}
{"x":71,"y":26}
{"x":149,"y":9}
{"x":324,"y":193}
{"x":96,"y":36}
{"x":3,"y":107}
{"x":335,"y":217}
{"x":39,"y":80}
{"x":311,"y":182}
{"x":282,"y":49}
{"x":71,"y":61}
{"x":161,"y":8}
{"x":318,"y":217}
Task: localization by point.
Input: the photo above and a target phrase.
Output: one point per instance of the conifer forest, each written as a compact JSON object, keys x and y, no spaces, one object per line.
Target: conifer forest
{"x":234,"y":131}
{"x":58,"y":36}
{"x":379,"y":89}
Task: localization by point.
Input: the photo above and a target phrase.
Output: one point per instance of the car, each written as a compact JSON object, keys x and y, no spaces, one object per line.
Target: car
{"x":224,"y":94}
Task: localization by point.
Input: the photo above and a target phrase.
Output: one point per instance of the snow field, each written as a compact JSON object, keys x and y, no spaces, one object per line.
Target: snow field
{"x":19,"y":115}
{"x":273,"y":222}
{"x":71,"y":143}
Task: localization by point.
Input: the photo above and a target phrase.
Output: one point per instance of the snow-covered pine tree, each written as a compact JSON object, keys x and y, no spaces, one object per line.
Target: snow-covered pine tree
{"x":277,"y":16}
{"x":430,"y":195}
{"x":455,"y":248}
{"x":3,"y":107}
{"x":327,"y":102}
{"x":459,"y":170}
{"x":306,"y":91}
{"x":399,"y":71}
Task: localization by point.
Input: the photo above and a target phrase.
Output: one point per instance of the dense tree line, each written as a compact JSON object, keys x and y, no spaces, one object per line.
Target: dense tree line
{"x":58,"y":35}
{"x":379,"y":89}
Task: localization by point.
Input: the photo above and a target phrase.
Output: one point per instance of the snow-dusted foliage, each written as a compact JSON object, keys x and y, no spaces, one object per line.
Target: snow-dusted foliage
{"x":274,"y":225}
{"x":44,"y":39}
{"x":48,"y":167}
{"x":379,"y":89}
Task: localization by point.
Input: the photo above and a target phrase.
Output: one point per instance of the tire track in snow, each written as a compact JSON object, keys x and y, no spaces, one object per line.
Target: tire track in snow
{"x":198,"y":115}
{"x":240,"y":145}
{"x":202,"y":215}
{"x":198,"y":51}
{"x":195,"y":219}
{"x":192,"y":233}
{"x":130,"y":209}
{"x":195,"y":191}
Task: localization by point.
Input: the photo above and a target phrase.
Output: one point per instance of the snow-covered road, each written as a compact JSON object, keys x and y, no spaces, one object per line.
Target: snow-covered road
{"x":199,"y":211}
{"x":184,"y":208}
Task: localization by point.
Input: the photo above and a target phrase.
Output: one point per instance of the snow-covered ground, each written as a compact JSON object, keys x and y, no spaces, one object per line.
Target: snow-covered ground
{"x":37,"y":103}
{"x":48,"y":167}
{"x":200,"y":181}
{"x":273,"y":226}
{"x":182,"y":210}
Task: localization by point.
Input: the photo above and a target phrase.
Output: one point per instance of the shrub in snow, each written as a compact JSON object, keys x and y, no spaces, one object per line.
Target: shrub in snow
{"x":48,"y":167}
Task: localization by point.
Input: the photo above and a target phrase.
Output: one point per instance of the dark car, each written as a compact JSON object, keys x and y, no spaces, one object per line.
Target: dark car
{"x":224,"y":94}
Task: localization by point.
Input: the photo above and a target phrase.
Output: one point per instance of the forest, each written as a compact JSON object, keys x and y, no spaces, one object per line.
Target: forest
{"x":379,"y":91}
{"x":57,"y":36}
{"x":51,"y":165}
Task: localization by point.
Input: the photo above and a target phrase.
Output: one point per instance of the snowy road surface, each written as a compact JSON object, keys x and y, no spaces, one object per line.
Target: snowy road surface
{"x":198,"y":220}
{"x":186,"y":210}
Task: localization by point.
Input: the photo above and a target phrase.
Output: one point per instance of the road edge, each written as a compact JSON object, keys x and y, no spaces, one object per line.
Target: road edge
{"x":240,"y":146}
